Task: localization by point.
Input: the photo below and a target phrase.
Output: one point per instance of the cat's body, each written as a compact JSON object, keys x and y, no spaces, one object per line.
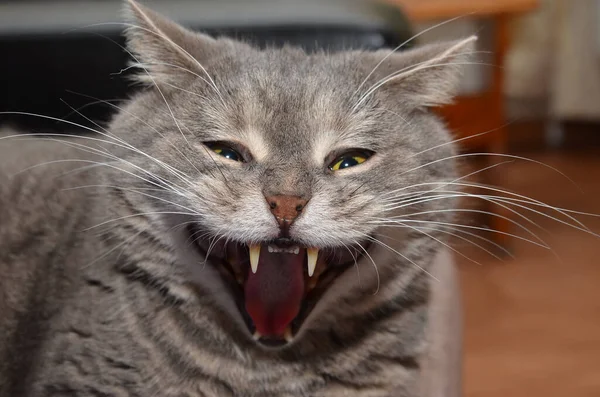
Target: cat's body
{"x":75,"y":326}
{"x":104,"y":293}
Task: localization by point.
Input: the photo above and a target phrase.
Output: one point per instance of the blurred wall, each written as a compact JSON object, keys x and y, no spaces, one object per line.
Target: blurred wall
{"x":554,"y":67}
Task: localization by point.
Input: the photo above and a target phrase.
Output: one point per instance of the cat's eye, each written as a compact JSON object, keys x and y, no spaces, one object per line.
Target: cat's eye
{"x":225,"y":150}
{"x":350,"y":159}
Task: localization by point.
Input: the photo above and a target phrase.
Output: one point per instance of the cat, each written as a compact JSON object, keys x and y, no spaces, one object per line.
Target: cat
{"x":236,"y":230}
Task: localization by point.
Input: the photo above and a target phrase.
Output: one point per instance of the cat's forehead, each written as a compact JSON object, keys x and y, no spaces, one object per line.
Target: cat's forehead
{"x":291,"y":72}
{"x":290,"y":99}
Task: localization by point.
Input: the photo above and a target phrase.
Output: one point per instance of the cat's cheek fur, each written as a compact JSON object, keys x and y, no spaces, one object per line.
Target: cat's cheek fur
{"x":326,"y":224}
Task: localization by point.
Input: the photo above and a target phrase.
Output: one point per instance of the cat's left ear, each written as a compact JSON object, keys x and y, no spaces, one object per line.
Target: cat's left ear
{"x":423,"y":77}
{"x":164,"y":50}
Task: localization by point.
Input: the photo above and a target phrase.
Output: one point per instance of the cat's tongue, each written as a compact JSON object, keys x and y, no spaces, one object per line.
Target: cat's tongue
{"x":274,"y":293}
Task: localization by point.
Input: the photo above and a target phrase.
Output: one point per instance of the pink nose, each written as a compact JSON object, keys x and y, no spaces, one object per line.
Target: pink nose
{"x":286,"y":209}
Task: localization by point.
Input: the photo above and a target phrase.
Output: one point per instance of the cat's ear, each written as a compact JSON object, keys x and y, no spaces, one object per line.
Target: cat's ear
{"x":165,"y":51}
{"x":423,"y":77}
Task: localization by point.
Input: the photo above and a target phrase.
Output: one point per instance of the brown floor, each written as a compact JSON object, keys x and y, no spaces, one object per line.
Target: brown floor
{"x":533,"y":322}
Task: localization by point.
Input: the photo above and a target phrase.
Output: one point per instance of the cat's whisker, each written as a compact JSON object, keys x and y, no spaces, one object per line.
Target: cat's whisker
{"x":141,"y":65}
{"x":109,"y":134}
{"x":440,"y":183}
{"x":511,"y":156}
{"x":523,"y":198}
{"x":186,"y":91}
{"x":396,"y":198}
{"x":422,"y":197}
{"x":456,"y":234}
{"x":114,"y":248}
{"x":212,"y":243}
{"x":421,"y":268}
{"x":364,"y":250}
{"x":491,"y":200}
{"x":489,"y":213}
{"x":196,"y":236}
{"x":398,"y":115}
{"x":82,"y":169}
{"x":458,"y":140}
{"x":479,"y":171}
{"x":160,"y":182}
{"x":199,"y":234}
{"x":105,"y":132}
{"x":114,"y":141}
{"x":182,"y":176}
{"x":494,"y":199}
{"x":140,"y":214}
{"x":95,"y":102}
{"x":354,"y":257}
{"x":527,"y":200}
{"x":511,"y":201}
{"x":17,"y":113}
{"x":94,"y":163}
{"x":418,"y":230}
{"x":132,"y":190}
{"x":105,"y":153}
{"x":387,"y":222}
{"x":122,"y":110}
{"x":357,"y":189}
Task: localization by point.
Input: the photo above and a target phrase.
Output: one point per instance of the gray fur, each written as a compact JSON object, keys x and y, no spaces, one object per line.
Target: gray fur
{"x":102,"y":293}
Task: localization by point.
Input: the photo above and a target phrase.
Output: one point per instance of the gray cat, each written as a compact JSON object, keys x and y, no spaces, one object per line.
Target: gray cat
{"x":237,"y":230}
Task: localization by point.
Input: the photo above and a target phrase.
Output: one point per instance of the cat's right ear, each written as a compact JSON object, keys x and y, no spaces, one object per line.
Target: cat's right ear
{"x":426,"y":76}
{"x":164,"y":51}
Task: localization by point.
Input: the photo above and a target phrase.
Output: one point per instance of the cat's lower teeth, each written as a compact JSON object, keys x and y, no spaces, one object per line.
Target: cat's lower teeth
{"x":287,"y":335}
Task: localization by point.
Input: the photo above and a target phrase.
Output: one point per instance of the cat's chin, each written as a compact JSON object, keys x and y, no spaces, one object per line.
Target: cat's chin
{"x":275,"y":284}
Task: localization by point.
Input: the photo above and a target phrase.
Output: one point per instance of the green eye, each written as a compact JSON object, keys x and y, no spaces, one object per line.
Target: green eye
{"x":225,"y":151}
{"x":350,"y":159}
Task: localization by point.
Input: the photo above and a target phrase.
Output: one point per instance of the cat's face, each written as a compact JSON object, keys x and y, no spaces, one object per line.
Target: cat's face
{"x":285,"y":164}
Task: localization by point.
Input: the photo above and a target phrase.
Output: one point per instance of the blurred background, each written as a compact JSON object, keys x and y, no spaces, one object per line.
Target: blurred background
{"x":530,"y":274}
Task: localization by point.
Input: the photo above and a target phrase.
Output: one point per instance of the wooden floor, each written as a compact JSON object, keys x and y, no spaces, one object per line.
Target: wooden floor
{"x":533,"y":322}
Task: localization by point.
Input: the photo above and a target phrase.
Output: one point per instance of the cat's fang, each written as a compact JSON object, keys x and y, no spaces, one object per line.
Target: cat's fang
{"x":312,"y":254}
{"x":254,"y":255}
{"x":256,"y":335}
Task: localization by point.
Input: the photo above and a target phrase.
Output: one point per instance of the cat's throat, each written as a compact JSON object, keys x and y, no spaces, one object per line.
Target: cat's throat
{"x":274,"y":294}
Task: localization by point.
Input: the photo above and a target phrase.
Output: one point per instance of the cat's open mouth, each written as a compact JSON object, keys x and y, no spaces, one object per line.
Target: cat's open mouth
{"x":276,"y":284}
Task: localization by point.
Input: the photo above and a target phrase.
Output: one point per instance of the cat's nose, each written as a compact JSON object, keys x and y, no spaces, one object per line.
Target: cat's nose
{"x":286,"y":209}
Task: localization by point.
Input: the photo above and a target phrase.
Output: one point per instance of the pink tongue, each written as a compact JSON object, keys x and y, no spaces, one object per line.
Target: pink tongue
{"x":274,"y":294}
